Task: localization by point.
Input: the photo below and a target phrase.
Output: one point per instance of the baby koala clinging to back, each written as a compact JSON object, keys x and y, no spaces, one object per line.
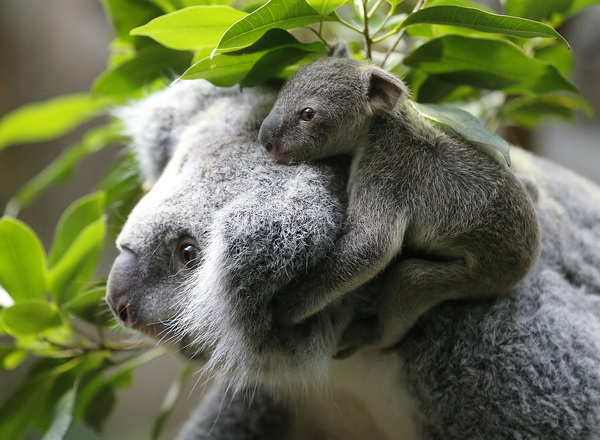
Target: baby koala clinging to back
{"x":461,"y":223}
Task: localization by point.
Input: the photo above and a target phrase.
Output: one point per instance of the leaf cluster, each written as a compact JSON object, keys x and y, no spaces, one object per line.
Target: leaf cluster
{"x":510,"y":68}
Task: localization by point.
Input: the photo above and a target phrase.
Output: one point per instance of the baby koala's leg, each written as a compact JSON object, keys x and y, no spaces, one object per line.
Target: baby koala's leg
{"x":411,"y":289}
{"x":417,"y":285}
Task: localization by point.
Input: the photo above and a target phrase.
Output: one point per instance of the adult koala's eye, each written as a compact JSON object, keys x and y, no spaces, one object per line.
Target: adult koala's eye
{"x":189,"y":254}
{"x":307,"y":114}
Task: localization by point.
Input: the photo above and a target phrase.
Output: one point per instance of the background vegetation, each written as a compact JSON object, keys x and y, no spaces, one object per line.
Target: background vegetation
{"x":510,"y":69}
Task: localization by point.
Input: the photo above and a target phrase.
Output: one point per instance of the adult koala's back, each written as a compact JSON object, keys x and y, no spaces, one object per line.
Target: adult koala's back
{"x":224,"y":227}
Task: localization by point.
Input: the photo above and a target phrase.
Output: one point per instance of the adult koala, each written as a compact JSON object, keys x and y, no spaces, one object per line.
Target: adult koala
{"x":224,"y":227}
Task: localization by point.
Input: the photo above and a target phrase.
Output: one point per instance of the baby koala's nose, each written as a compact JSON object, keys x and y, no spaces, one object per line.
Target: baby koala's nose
{"x":268,"y":131}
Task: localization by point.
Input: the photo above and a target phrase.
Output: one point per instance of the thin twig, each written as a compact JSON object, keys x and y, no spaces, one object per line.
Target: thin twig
{"x":366,"y":30}
{"x":418,"y":6}
{"x":374,"y":8}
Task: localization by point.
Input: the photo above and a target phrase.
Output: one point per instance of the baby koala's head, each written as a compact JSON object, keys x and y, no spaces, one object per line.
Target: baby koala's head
{"x":326,"y":109}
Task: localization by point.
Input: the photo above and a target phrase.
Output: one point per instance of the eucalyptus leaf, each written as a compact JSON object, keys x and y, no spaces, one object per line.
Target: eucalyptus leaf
{"x":531,"y":111}
{"x":536,"y":10}
{"x":64,"y":165}
{"x":558,"y":55}
{"x":63,"y":415}
{"x":173,"y":5}
{"x":483,"y":21}
{"x":22,"y":261}
{"x":277,"y":47}
{"x":150,"y":63}
{"x":223,"y":70}
{"x":191,"y":28}
{"x":487,"y":63}
{"x":91,"y":307}
{"x":14,"y":359}
{"x":76,"y":217}
{"x":171,"y":398}
{"x":271,"y":64}
{"x":128,"y":14}
{"x":579,"y":5}
{"x":30,"y":317}
{"x":99,"y":407}
{"x":325,"y":7}
{"x":47,"y":120}
{"x":122,"y":186}
{"x":23,"y":407}
{"x":69,"y":275}
{"x":464,"y":125}
{"x":281,"y":14}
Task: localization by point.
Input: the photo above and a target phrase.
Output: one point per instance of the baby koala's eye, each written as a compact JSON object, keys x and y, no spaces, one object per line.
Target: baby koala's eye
{"x":189,"y":254}
{"x":307,"y":114}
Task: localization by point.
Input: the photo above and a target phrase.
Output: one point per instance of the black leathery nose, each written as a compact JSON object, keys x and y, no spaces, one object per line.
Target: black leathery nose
{"x":121,"y":281}
{"x":268,"y":129}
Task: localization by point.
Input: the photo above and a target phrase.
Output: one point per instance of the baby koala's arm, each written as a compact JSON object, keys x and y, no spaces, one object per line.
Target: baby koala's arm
{"x":372,"y":237}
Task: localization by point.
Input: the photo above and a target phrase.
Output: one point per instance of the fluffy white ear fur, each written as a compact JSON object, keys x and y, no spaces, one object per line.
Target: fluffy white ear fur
{"x":384,"y":89}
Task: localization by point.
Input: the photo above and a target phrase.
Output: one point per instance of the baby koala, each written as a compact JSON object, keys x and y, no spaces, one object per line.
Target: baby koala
{"x":459,"y":221}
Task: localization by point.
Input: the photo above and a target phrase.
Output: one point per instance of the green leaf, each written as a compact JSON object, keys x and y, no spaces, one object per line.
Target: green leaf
{"x":122,"y":186}
{"x":531,"y":111}
{"x":277,"y":47}
{"x":99,"y":407}
{"x":536,"y":10}
{"x":64,"y":165}
{"x":196,"y":27}
{"x":579,"y":5}
{"x":76,"y":217}
{"x":282,"y":14}
{"x":170,"y":400}
{"x":12,"y":360}
{"x":464,"y":125}
{"x":271,"y":64}
{"x":63,"y":415}
{"x":149,"y":64}
{"x":77,"y":265}
{"x":435,"y":90}
{"x":91,"y":307}
{"x":46,"y":120}
{"x":23,"y":407}
{"x":11,"y":357}
{"x":486,"y":63}
{"x":22,"y":261}
{"x":223,"y":70}
{"x":173,"y":5}
{"x":560,"y":56}
{"x":482,"y":21}
{"x":128,"y":14}
{"x":30,"y":317}
{"x":325,"y":7}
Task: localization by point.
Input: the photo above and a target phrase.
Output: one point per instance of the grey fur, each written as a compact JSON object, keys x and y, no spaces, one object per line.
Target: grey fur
{"x":464,"y":224}
{"x":525,"y":365}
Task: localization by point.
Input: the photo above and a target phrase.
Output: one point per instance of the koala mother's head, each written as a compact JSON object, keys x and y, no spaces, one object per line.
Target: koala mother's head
{"x":222,"y":229}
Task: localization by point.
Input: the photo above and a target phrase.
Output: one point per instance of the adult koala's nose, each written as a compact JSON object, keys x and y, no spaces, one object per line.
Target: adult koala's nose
{"x":119,"y":291}
{"x":267,"y":134}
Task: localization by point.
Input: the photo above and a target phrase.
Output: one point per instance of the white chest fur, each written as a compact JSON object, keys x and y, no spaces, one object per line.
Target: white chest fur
{"x":366,"y":399}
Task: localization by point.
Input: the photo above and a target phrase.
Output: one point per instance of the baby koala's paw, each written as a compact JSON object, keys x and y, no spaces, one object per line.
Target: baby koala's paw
{"x":359,"y":334}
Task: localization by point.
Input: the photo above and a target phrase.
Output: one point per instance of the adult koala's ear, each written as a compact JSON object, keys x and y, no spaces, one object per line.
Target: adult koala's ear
{"x":339,"y":49}
{"x":155,"y":124}
{"x":384,"y":89}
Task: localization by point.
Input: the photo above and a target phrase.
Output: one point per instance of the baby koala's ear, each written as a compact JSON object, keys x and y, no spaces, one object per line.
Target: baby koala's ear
{"x":384,"y":89}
